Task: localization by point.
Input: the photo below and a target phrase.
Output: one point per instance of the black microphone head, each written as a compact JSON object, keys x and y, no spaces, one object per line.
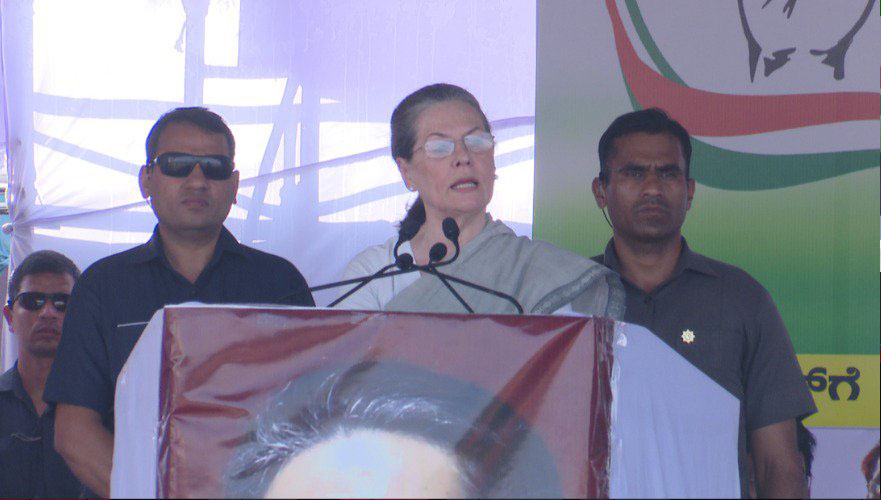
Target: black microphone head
{"x":438,"y":251}
{"x":451,"y":229}
{"x":408,"y":230}
{"x":404,"y":261}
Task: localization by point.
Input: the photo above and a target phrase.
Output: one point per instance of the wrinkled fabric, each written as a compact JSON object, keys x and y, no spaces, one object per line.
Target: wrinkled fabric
{"x":542,"y":277}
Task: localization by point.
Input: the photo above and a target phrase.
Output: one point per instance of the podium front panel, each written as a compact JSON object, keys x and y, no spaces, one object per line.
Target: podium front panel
{"x":533,"y":391}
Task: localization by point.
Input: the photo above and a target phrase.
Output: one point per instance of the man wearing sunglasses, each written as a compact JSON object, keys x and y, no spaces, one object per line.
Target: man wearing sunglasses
{"x":190,"y":181}
{"x":38,"y":294}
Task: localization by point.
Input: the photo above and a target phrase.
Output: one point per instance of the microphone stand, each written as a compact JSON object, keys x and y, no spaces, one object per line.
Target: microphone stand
{"x":443,"y":278}
{"x":475,"y":286}
{"x":437,"y":253}
{"x":354,"y":289}
{"x":405,"y":264}
{"x":451,"y":231}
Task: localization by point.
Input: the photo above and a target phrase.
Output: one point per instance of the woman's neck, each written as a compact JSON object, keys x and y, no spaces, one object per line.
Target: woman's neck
{"x":431,"y":232}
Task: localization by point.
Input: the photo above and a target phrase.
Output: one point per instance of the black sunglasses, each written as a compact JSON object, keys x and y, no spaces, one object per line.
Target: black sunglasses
{"x":34,"y":301}
{"x":214,"y":167}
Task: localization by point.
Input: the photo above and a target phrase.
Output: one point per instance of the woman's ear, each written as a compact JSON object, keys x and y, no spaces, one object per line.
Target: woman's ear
{"x":404,"y":168}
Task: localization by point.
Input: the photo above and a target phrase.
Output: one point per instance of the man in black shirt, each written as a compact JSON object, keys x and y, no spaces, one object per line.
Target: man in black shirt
{"x":190,"y":182}
{"x":713,"y":314}
{"x":29,"y":465}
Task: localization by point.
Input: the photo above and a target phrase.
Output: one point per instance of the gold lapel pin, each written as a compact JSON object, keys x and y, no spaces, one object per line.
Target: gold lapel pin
{"x":687,"y":336}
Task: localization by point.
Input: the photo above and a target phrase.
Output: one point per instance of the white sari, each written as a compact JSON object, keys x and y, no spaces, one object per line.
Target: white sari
{"x":542,"y":277}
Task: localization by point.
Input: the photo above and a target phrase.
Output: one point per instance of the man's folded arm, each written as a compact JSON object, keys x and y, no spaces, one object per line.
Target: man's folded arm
{"x":779,"y":470}
{"x":86,"y":445}
{"x":79,"y":387}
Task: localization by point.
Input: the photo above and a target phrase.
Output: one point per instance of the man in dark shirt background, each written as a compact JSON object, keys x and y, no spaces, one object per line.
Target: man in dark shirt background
{"x":38,"y":294}
{"x":190,"y":182}
{"x":713,"y":314}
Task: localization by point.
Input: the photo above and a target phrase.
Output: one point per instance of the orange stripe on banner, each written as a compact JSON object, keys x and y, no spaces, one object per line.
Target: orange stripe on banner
{"x":743,"y":114}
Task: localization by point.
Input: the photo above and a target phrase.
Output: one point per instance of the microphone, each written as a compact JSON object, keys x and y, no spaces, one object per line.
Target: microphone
{"x":406,"y":233}
{"x":403,"y":262}
{"x":437,"y":252}
{"x":451,"y":231}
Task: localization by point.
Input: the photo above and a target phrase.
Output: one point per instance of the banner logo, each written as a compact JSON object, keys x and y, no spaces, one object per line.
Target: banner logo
{"x":745,"y":115}
{"x":832,"y":56}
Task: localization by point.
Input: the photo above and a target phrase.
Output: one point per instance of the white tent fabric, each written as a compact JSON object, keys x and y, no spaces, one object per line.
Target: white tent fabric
{"x":307,"y":88}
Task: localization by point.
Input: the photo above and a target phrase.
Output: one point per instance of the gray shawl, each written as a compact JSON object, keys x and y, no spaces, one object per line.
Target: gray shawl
{"x":542,"y":277}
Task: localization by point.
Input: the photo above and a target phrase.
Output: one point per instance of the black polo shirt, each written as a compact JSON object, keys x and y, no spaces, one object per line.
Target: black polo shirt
{"x":115,"y":297}
{"x":726,"y":324}
{"x":29,"y":464}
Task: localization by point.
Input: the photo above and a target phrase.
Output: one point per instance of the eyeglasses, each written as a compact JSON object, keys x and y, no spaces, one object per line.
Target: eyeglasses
{"x":34,"y":301}
{"x":214,"y":167}
{"x":477,"y":142}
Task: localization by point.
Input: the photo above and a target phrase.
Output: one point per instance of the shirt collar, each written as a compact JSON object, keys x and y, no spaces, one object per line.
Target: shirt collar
{"x":11,"y":382}
{"x":694,"y":261}
{"x":688,"y":260}
{"x":226,"y":242}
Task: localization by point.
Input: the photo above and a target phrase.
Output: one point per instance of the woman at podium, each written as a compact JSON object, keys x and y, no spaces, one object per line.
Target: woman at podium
{"x":457,"y":257}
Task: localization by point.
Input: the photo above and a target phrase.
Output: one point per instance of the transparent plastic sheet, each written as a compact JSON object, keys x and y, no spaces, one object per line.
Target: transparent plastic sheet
{"x":673,"y":430}
{"x":523,"y":401}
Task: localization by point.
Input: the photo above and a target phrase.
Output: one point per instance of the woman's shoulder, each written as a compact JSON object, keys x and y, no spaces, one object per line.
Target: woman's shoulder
{"x":371,"y":259}
{"x":533,"y":249}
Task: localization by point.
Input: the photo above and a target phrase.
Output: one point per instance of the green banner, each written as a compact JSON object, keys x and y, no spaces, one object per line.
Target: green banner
{"x":786,"y":155}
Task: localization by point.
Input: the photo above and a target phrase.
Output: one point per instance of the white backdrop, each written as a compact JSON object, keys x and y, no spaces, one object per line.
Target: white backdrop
{"x":307,"y":87}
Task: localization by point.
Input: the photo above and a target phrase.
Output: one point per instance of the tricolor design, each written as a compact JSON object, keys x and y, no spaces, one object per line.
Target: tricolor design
{"x":744,"y":115}
{"x":795,"y":174}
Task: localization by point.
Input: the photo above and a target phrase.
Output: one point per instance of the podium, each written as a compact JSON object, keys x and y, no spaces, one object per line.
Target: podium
{"x":576,"y":406}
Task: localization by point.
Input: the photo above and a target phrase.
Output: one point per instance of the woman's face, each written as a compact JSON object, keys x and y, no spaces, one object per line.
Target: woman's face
{"x":460,"y":183}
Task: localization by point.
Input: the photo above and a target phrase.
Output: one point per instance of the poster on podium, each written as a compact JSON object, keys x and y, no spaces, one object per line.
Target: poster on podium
{"x":447,"y":405}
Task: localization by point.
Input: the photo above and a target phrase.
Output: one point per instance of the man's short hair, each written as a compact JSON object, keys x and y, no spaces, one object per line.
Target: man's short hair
{"x":649,"y":121}
{"x":41,"y":262}
{"x":202,"y":118}
{"x":498,"y":454}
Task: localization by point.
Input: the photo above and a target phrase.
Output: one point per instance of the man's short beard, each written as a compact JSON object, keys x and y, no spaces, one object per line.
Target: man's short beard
{"x":657,"y":238}
{"x":42,"y":351}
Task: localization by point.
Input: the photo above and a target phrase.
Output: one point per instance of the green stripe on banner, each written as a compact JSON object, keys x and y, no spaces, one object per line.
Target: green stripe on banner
{"x":649,"y":43}
{"x":738,"y":171}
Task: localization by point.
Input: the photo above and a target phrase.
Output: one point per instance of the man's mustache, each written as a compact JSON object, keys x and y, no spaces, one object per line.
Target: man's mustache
{"x":653,"y":203}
